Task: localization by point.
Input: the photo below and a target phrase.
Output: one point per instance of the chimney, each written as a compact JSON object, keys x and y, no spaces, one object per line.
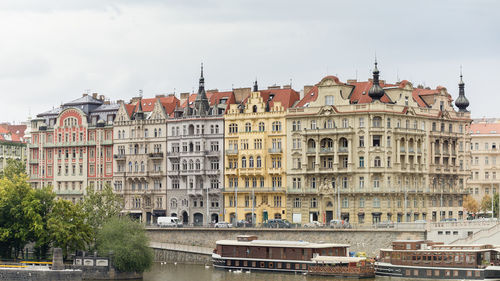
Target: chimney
{"x":273,"y":87}
{"x":287,"y":86}
{"x":351,"y":81}
{"x":101,"y":97}
{"x":184,"y":96}
{"x":160,"y":96}
{"x":306,"y":90}
{"x":241,"y":93}
{"x":84,"y":95}
{"x":94,"y":95}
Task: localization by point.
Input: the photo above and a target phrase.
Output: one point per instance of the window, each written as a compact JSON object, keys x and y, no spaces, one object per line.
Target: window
{"x":361,"y":202}
{"x":361,"y":161}
{"x":296,"y":202}
{"x":361,"y":182}
{"x":243,"y":162}
{"x":233,"y":128}
{"x":344,"y":182}
{"x":377,"y":140}
{"x":276,"y":126}
{"x":329,"y":100}
{"x":345,"y":123}
{"x":376,"y":202}
{"x":314,"y":203}
{"x":313,"y":125}
{"x":248,"y":127}
{"x":361,"y":122}
{"x":261,"y":127}
{"x":361,"y":141}
{"x":377,"y":122}
{"x":345,"y":203}
{"x":377,"y":162}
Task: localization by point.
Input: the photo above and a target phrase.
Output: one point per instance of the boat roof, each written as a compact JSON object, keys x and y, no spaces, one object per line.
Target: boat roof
{"x":280,"y":243}
{"x":332,"y":259}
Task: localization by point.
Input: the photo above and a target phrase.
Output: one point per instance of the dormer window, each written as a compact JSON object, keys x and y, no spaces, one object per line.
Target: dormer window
{"x":329,"y":100}
{"x":441,"y":105}
{"x":406,"y":100}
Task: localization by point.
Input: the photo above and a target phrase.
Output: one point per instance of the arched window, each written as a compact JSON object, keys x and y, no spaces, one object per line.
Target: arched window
{"x":216,"y":129}
{"x":130,"y":167}
{"x":259,"y":162}
{"x":343,"y":143}
{"x":142,"y":166}
{"x":191,"y":165}
{"x":173,"y":203}
{"x":198,"y":164}
{"x":345,"y":123}
{"x":159,"y":132}
{"x":254,"y":108}
{"x":184,"y":165}
{"x":119,"y":134}
{"x":250,"y":162}
{"x":329,"y":124}
{"x":243,"y":162}
{"x":276,"y":126}
{"x":262,"y":127}
{"x":311,"y":144}
{"x":248,"y":127}
{"x":191,"y":130}
{"x":233,"y":128}
{"x":377,"y":122}
{"x":136,"y":166}
{"x":377,"y":162}
{"x":156,"y":133}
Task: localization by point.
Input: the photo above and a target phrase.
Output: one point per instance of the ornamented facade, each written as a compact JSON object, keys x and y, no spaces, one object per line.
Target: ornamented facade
{"x":371,"y":151}
{"x":256,"y":155}
{"x":140,"y":147}
{"x":72,"y":147}
{"x":12,"y":144}
{"x":485,"y":172}
{"x":195,"y":159}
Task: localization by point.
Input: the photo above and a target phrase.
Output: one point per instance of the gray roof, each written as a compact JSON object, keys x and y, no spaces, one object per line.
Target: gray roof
{"x":83,"y":100}
{"x":107,"y":107}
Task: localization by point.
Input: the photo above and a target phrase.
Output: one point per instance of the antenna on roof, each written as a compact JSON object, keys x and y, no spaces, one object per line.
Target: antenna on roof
{"x":397,"y":75}
{"x":140,"y":93}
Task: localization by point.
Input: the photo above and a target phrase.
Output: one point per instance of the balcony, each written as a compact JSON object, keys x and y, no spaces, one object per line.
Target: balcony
{"x":343,"y":149}
{"x":195,"y":192}
{"x":173,"y":154}
{"x":156,"y":155}
{"x":212,"y":172}
{"x":274,"y":170}
{"x":231,"y":151}
{"x":311,"y":150}
{"x":275,"y":150}
{"x":156,"y":173}
{"x":120,"y":157}
{"x":230,"y":171}
{"x":211,"y":153}
{"x":251,"y":171}
{"x":326,"y":150}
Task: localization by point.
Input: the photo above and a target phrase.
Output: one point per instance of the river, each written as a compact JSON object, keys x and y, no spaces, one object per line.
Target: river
{"x":185,"y":272}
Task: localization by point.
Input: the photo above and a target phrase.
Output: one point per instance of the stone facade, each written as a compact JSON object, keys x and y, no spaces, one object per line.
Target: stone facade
{"x":140,"y":147}
{"x":256,"y":158}
{"x":72,"y":147}
{"x":485,"y":172}
{"x":401,"y":155}
{"x":195,"y":161}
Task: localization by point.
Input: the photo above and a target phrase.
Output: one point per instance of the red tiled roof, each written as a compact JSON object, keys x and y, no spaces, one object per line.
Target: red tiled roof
{"x":310,"y":96}
{"x":130,"y":109}
{"x":360,"y":92}
{"x":169,"y":104}
{"x":485,"y":128}
{"x":287,"y":97}
{"x":213,"y":97}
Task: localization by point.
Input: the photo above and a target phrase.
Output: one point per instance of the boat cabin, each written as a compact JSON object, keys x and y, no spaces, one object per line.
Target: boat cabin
{"x":249,"y":247}
{"x":432,"y":254}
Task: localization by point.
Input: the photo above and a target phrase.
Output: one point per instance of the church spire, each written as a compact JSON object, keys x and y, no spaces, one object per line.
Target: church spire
{"x":255,"y":86}
{"x":376,"y":92}
{"x":462,"y":102}
{"x":201,"y":104}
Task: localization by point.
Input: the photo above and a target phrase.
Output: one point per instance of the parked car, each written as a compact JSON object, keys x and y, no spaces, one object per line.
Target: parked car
{"x":223,"y":224}
{"x":169,"y":222}
{"x":340,"y":224}
{"x":384,"y":224}
{"x":243,"y":223}
{"x":277,"y":223}
{"x":448,"y":219}
{"x":313,"y":224}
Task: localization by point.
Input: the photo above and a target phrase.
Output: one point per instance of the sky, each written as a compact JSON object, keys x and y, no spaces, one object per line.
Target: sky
{"x":53,"y":51}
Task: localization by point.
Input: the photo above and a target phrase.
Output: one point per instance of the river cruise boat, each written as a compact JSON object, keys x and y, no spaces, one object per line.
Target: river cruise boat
{"x":434,"y":260}
{"x":357,"y":267}
{"x":248,"y":253}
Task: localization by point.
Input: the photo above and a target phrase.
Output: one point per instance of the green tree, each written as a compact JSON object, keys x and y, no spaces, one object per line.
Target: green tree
{"x":14,"y":168}
{"x":14,"y":222}
{"x":128,"y":242}
{"x":38,"y":206}
{"x":485,"y":204}
{"x":471,"y":205}
{"x":100,"y":206}
{"x":68,"y":227}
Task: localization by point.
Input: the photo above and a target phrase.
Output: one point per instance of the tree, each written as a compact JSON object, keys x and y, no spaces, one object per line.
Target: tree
{"x":128,"y":242}
{"x":68,"y":227}
{"x":14,"y":168}
{"x":471,"y":205}
{"x":14,"y":222}
{"x":100,"y":206}
{"x":38,"y":207}
{"x":485,"y":204}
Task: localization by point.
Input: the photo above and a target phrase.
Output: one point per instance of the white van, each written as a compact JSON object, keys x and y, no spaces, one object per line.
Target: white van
{"x":169,"y":222}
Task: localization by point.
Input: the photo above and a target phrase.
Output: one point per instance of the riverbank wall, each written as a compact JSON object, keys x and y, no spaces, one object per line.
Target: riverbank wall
{"x":26,"y":274}
{"x":369,"y":241}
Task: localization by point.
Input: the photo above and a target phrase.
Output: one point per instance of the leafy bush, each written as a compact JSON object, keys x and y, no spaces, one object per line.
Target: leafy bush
{"x":127,"y":242}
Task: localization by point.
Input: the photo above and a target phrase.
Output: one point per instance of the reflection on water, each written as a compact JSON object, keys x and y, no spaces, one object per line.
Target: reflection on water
{"x":184,"y":272}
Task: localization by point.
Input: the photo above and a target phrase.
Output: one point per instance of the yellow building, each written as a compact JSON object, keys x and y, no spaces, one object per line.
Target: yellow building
{"x":255,"y":158}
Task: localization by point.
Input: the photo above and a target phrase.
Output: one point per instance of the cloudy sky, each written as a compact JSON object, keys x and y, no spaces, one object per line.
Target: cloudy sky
{"x":54,"y":50}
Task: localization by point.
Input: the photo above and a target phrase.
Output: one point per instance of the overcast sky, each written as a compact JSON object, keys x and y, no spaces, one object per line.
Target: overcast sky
{"x":53,"y":51}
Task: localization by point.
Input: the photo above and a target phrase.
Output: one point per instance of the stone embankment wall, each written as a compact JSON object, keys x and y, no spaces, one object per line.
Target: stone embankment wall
{"x":14,"y":274}
{"x":171,"y":256}
{"x":369,"y":241}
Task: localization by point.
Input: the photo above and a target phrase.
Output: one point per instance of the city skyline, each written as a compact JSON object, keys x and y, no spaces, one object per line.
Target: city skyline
{"x":62,"y":50}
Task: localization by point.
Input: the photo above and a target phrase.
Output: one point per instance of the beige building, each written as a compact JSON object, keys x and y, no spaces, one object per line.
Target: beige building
{"x":372,"y":151}
{"x":485,"y":172}
{"x":139,"y":152}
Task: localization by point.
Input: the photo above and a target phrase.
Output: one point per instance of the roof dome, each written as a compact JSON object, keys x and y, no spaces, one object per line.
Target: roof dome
{"x":376,"y":92}
{"x":462,"y":102}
